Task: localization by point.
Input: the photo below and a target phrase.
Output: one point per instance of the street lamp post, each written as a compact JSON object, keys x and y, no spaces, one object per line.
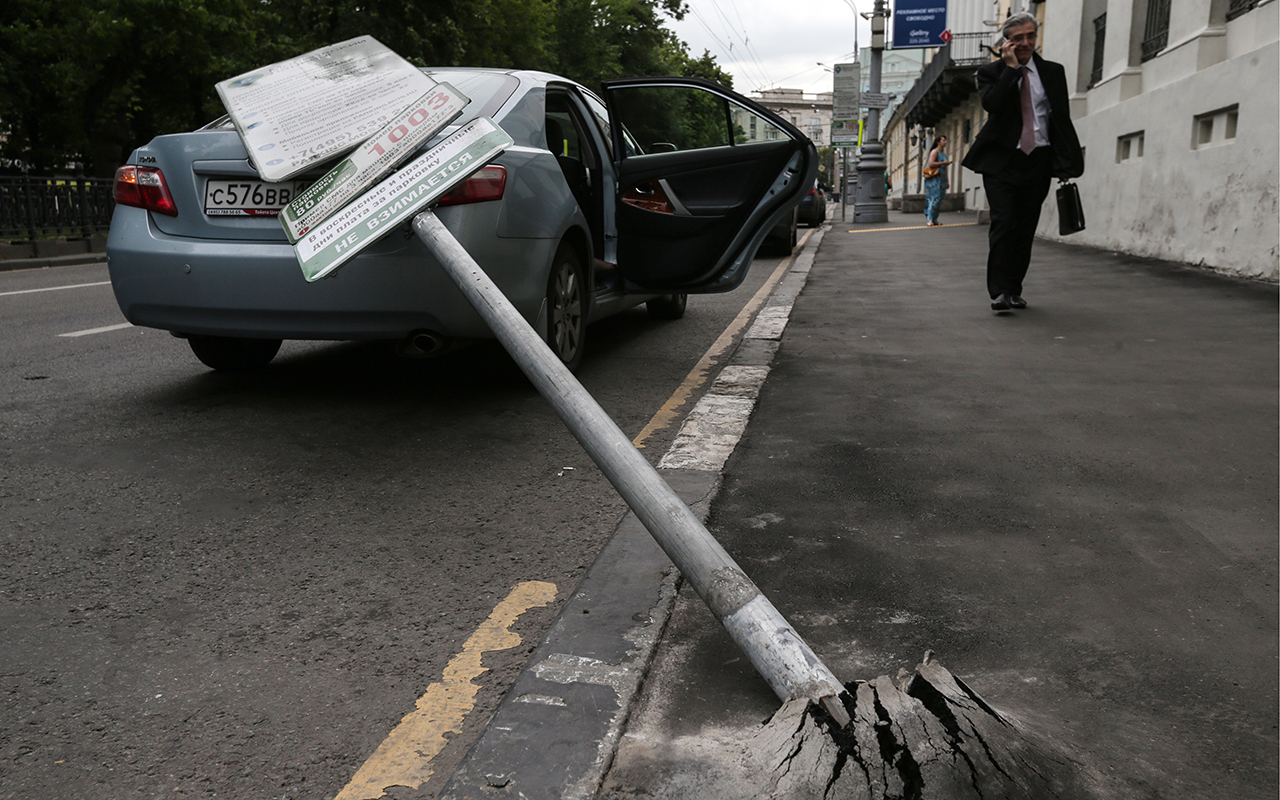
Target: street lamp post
{"x":844,"y":182}
{"x":856,"y":52}
{"x":870,"y":205}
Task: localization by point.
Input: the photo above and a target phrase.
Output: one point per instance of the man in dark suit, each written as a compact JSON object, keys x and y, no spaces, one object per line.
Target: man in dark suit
{"x":1028,"y":138}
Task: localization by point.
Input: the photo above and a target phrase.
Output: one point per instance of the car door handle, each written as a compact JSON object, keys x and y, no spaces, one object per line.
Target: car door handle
{"x":655,"y":196}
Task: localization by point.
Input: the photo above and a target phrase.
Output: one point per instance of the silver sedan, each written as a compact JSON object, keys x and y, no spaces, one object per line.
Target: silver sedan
{"x":665,"y":187}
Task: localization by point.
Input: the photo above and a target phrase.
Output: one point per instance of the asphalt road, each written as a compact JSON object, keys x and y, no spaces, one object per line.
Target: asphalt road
{"x":236,"y":586}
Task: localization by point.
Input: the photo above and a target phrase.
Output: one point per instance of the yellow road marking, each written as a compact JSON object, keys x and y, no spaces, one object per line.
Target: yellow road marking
{"x":916,"y":227}
{"x":404,"y":757}
{"x":698,"y":375}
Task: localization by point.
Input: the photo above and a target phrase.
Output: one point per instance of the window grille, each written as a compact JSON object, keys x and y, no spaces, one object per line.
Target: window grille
{"x":1156,"y":34}
{"x":1238,"y":7}
{"x":1099,"y":46}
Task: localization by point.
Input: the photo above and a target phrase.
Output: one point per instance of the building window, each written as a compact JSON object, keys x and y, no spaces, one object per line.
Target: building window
{"x":1156,"y":35}
{"x":1214,"y":128}
{"x":1130,"y":146}
{"x":1239,"y":7}
{"x":1099,"y":45}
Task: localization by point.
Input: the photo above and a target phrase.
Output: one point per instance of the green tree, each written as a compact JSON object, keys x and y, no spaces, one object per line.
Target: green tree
{"x":89,"y":80}
{"x":82,"y":79}
{"x":827,"y":165}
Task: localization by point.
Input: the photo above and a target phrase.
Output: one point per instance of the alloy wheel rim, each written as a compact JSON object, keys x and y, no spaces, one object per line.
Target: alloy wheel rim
{"x":566,"y":312}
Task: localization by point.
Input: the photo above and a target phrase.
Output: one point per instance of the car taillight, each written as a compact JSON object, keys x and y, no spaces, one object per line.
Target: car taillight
{"x":487,"y":184}
{"x":144,"y":187}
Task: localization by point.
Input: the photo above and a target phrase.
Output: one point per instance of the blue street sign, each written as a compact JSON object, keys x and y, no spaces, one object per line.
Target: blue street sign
{"x":919,"y":23}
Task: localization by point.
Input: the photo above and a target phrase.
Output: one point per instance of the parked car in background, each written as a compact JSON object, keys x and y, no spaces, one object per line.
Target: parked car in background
{"x":813,"y":206}
{"x":644,"y":196}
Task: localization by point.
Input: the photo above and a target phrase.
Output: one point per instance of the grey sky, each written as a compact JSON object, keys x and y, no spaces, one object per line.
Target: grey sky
{"x":771,"y":43}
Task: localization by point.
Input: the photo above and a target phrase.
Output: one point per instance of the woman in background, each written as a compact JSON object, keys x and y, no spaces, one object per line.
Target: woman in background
{"x":935,"y":185}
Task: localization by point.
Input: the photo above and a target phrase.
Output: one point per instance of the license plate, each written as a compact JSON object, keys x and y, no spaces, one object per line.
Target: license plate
{"x":248,"y":198}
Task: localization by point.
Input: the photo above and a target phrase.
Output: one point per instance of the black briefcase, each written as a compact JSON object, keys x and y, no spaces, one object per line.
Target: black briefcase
{"x":1070,"y":212}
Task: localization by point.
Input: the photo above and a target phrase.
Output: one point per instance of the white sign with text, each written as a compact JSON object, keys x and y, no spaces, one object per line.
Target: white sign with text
{"x":298,"y":113}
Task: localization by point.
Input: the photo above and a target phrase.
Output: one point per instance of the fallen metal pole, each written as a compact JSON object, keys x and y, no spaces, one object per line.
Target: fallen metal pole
{"x":778,"y":653}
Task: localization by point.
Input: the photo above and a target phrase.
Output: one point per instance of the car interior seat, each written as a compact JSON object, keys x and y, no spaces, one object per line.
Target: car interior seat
{"x":575,"y":172}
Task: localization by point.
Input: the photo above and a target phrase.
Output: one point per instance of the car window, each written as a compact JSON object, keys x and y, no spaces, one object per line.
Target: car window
{"x":749,"y":126}
{"x":487,"y":90}
{"x":600,"y":116}
{"x":600,"y":113}
{"x":566,"y":132}
{"x":674,"y":118}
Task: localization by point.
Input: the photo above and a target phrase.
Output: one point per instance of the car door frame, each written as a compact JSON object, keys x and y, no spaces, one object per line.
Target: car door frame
{"x":733,"y":257}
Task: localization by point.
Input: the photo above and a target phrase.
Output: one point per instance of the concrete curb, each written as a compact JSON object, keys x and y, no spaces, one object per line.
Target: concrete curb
{"x":555,"y":733}
{"x":76,"y":260}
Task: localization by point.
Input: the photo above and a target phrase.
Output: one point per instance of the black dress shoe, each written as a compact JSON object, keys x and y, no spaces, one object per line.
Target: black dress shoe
{"x":1000,"y":303}
{"x":1016,"y":301}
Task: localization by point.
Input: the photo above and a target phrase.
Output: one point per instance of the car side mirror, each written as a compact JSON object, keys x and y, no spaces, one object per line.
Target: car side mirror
{"x":662,"y":147}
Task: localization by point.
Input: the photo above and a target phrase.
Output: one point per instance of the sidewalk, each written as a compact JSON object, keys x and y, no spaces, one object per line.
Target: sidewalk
{"x":73,"y":260}
{"x":1074,"y":506}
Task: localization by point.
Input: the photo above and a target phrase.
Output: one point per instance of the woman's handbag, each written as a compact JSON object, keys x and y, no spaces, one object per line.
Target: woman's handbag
{"x":1070,"y":211}
{"x":931,"y":172}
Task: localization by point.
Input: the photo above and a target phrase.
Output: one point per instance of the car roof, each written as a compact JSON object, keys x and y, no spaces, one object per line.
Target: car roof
{"x":524,"y":75}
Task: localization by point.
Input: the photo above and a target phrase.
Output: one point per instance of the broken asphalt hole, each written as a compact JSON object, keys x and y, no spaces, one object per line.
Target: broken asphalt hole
{"x":927,"y":737}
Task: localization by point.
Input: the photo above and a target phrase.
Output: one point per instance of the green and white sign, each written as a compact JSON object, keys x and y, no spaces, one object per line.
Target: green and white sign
{"x":846,"y":133}
{"x":373,"y":159}
{"x":424,"y":180}
{"x":297,"y":113}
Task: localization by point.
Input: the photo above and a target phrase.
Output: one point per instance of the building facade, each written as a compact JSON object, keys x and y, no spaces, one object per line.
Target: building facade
{"x":944,"y":101}
{"x":1178,"y":110}
{"x":811,"y":113}
{"x":1177,"y":106}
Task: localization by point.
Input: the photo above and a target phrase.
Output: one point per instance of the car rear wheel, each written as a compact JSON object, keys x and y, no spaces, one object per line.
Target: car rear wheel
{"x":231,"y":354}
{"x":669,"y":306}
{"x":567,"y":300}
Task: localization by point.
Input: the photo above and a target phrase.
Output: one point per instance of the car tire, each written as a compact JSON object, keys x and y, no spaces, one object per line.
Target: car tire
{"x":231,"y":354}
{"x":668,"y":306}
{"x":567,"y":305}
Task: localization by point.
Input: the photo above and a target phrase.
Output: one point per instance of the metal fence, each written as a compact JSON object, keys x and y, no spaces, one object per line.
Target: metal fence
{"x":33,"y":208}
{"x":970,"y":49}
{"x":1099,"y":47}
{"x":1238,"y":7}
{"x":1156,"y":34}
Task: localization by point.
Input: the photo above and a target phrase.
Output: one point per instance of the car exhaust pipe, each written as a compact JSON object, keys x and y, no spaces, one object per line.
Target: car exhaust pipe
{"x":427,"y":341}
{"x":423,"y":344}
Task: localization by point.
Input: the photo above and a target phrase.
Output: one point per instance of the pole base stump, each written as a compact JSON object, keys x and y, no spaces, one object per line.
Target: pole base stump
{"x":929,"y":737}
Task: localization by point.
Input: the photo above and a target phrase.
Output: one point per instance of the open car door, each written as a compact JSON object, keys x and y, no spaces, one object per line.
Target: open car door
{"x":703,"y":175}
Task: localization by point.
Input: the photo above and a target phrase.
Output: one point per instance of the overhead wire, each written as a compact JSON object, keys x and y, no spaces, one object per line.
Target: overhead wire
{"x":727,"y":48}
{"x":746,"y":40}
{"x":730,"y":35}
{"x":748,"y":61}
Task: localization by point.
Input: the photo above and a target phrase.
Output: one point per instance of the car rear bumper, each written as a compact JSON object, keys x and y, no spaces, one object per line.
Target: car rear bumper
{"x":256,"y":289}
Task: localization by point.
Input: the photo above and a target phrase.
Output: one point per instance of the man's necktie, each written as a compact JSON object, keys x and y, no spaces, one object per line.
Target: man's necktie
{"x":1028,"y":141}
